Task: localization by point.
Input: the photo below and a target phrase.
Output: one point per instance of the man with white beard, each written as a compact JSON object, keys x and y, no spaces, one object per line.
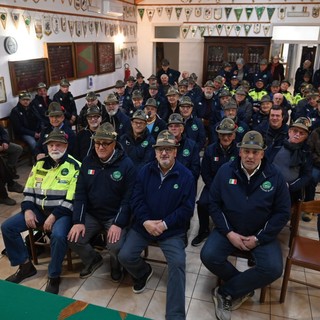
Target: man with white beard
{"x":48,"y":202}
{"x":118,"y":119}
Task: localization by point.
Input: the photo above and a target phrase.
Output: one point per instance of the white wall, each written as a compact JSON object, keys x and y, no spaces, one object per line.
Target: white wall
{"x":30,"y":47}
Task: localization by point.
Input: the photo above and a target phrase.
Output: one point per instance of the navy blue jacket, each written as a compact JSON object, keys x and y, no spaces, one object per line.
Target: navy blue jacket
{"x":139,"y":150}
{"x":171,"y":200}
{"x":188,"y":155}
{"x":40,"y":108}
{"x":83,"y":144}
{"x":260,"y":207}
{"x":214,"y":157}
{"x":194,"y":130}
{"x":120,"y":122}
{"x":67,"y":101}
{"x":158,"y":126}
{"x":104,"y":189}
{"x":171,"y":73}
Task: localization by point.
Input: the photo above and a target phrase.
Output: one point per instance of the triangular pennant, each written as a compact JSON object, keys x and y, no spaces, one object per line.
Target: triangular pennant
{"x":228,"y":28}
{"x":202,"y":30}
{"x":78,"y":26}
{"x":55,"y":24}
{"x":282,"y":13}
{"x":141,"y":13}
{"x":91,"y":26}
{"x":168,"y":12}
{"x":188,"y":12}
{"x":71,"y":27}
{"x":84,"y":5}
{"x":210,"y":30}
{"x":85,"y":28}
{"x":219,"y":28}
{"x":150,"y":13}
{"x":184,"y":31}
{"x":249,"y":12}
{"x":238,"y":13}
{"x":77,"y":4}
{"x":106,"y":29}
{"x":270,"y":12}
{"x":266,"y":29}
{"x":193,"y":31}
{"x":217,"y":13}
{"x":198,"y":12}
{"x":63,"y":21}
{"x":102,"y":26}
{"x":178,"y":12}
{"x":70,"y":2}
{"x":228,"y":11}
{"x":3,"y":18}
{"x":247,"y":28}
{"x":237,"y":29}
{"x":256,"y":28}
{"x":96,"y":25}
{"x":159,"y":10}
{"x":207,"y":14}
{"x":38,"y":28}
{"x":259,"y":12}
{"x":15,"y":18}
{"x":47,"y":25}
{"x":27,"y":20}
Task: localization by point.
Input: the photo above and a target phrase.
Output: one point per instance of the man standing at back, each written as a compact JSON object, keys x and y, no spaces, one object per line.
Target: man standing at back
{"x":249,"y":205}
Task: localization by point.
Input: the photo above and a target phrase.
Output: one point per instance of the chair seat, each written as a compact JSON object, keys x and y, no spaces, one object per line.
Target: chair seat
{"x":307,"y":251}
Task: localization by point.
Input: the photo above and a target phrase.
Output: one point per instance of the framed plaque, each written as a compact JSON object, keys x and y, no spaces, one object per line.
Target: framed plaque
{"x":25,"y":75}
{"x":61,"y":61}
{"x":3,"y":95}
{"x":85,"y":59}
{"x":105,"y":57}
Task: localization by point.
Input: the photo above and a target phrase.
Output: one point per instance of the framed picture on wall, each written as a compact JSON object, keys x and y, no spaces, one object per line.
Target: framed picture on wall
{"x":105,"y":57}
{"x":118,"y":61}
{"x":3,"y":95}
{"x":85,"y":59}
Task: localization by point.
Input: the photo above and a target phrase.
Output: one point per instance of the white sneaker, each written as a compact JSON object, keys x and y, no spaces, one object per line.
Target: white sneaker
{"x":236,"y":303}
{"x":222,"y":305}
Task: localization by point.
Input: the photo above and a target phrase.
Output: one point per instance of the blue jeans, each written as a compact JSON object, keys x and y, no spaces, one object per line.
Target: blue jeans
{"x":17,"y":250}
{"x":268,"y":258}
{"x":31,"y":142}
{"x":173,"y":249}
{"x":85,"y":250}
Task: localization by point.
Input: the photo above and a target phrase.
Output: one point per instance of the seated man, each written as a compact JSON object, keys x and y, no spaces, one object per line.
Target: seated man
{"x":55,"y":177}
{"x":102,"y":201}
{"x":250,"y":205}
{"x":162,"y":204}
{"x":137,"y":143}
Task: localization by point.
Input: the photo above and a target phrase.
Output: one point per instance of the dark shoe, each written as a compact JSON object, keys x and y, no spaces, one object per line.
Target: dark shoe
{"x":53,"y":285}
{"x":25,"y":271}
{"x":116,"y":274}
{"x":140,"y":284}
{"x":8,"y":201}
{"x":222,"y":305}
{"x":236,"y":303}
{"x":200,"y":238}
{"x":87,"y":271}
{"x":15,"y":187}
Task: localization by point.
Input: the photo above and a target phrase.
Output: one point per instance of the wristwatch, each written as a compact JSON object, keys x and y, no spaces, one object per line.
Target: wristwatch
{"x":256,"y":241}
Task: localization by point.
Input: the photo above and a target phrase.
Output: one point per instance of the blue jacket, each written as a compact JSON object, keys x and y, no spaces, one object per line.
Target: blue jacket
{"x":139,"y":150}
{"x":156,"y":127}
{"x":104,"y":190}
{"x":120,"y":121}
{"x":171,"y":200}
{"x":194,"y":130}
{"x":214,"y":157}
{"x":260,"y":207}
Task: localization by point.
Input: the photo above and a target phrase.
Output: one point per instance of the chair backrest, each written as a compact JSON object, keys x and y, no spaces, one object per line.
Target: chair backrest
{"x":308,"y":206}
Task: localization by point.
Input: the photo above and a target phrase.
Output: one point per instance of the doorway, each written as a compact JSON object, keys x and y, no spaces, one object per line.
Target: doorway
{"x":168,"y":50}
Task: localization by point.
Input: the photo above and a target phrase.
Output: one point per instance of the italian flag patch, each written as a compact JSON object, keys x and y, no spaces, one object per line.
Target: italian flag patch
{"x":91,"y":172}
{"x":215,"y":158}
{"x":232,"y":181}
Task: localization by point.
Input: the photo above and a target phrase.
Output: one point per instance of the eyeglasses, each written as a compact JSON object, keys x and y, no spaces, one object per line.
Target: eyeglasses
{"x":104,"y":145}
{"x":166,"y":149}
{"x":93,"y":117}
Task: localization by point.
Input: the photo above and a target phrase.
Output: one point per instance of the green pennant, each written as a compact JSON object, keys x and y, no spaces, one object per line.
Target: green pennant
{"x":202,"y":30}
{"x":228,"y":11}
{"x":219,"y":28}
{"x":249,"y":12}
{"x":238,"y":13}
{"x":247,"y":28}
{"x":270,"y":12}
{"x":237,"y":29}
{"x":259,"y":12}
{"x":141,"y":13}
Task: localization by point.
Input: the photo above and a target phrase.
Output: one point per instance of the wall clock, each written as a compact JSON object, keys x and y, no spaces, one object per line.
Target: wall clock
{"x":10,"y":45}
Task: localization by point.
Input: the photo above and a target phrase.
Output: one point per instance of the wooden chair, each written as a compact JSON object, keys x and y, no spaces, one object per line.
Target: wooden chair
{"x":304,"y":251}
{"x":146,"y":254}
{"x":247,"y":255}
{"x":34,"y":243}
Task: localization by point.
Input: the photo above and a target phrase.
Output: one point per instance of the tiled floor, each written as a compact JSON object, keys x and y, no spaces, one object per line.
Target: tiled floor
{"x":301,"y":302}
